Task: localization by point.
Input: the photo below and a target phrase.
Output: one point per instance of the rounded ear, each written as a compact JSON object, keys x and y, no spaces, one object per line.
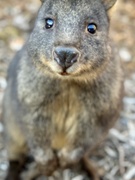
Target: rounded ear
{"x":108,"y":3}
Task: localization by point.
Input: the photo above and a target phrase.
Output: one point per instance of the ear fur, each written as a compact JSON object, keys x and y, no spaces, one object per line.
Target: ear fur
{"x":108,"y":3}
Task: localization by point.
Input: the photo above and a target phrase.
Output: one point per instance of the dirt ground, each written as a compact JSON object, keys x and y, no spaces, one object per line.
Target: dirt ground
{"x":116,"y":158}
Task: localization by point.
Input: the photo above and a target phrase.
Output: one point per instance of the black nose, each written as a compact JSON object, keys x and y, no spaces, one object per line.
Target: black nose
{"x":65,"y":56}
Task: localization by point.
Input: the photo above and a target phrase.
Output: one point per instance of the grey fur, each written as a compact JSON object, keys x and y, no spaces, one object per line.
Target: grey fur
{"x":44,"y":111}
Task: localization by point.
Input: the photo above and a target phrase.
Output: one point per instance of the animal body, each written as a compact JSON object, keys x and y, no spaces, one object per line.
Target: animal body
{"x":64,"y":87}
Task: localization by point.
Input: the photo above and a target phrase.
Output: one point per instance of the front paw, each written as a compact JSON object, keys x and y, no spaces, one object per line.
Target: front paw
{"x":70,"y":158}
{"x":49,"y":167}
{"x":47,"y":161}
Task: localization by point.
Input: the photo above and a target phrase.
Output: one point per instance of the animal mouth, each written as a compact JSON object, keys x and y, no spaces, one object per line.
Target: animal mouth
{"x":64,"y":73}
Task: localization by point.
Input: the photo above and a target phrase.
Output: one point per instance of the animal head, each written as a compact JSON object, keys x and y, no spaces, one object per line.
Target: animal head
{"x":70,"y":38}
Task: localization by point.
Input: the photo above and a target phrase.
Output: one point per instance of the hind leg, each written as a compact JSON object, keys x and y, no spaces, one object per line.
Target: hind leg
{"x":16,"y":150}
{"x":15,"y":169}
{"x":17,"y":156}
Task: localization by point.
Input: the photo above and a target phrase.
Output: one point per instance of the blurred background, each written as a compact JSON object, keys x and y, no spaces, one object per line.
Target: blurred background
{"x":116,"y":157}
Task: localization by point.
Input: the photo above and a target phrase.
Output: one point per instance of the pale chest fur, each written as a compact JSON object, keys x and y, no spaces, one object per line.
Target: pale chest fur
{"x":65,"y":112}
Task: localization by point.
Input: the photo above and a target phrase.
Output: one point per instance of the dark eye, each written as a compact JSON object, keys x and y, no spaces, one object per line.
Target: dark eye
{"x":49,"y":23}
{"x":92,"y":28}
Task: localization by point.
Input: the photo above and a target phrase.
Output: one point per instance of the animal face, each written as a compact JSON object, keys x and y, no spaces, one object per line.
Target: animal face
{"x":70,"y":38}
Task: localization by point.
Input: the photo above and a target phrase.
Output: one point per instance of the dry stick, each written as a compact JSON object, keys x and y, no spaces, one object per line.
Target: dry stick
{"x":88,"y":163}
{"x":91,"y":169}
{"x":121,"y":160}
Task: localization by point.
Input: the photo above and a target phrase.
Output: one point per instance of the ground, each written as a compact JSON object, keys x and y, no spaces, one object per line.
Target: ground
{"x":116,"y":157}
